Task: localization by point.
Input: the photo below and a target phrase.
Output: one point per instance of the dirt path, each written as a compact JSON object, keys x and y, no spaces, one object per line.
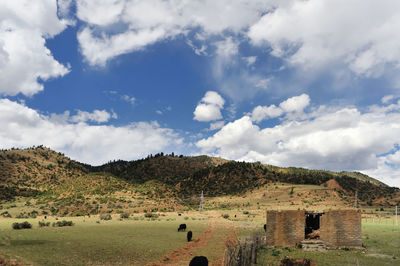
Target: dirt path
{"x":180,"y":256}
{"x":230,"y":238}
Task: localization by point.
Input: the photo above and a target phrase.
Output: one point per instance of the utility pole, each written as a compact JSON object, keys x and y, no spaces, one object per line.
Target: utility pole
{"x":201,"y":201}
{"x":397,"y":221}
{"x":356,"y":200}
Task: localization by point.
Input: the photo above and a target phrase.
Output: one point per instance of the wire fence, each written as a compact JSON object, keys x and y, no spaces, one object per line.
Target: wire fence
{"x":243,"y":252}
{"x":383,"y":217}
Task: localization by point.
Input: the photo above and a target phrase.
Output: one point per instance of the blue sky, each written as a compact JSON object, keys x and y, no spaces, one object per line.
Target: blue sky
{"x":310,"y":84}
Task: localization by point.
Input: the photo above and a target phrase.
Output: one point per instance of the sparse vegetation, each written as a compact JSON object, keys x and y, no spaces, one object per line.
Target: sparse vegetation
{"x":124,"y":215}
{"x":63,"y":223}
{"x":43,"y":224}
{"x":105,"y":217}
{"x":151,"y":215}
{"x":23,"y":225}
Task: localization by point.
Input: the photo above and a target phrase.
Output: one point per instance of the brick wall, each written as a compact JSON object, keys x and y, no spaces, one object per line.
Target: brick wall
{"x":341,"y":228}
{"x":285,"y":228}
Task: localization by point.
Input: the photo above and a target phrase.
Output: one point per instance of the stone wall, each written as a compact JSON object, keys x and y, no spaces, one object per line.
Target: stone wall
{"x":285,"y":228}
{"x":341,"y":228}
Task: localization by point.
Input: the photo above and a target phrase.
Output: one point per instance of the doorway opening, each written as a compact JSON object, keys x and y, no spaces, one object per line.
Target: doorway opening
{"x":312,"y":225}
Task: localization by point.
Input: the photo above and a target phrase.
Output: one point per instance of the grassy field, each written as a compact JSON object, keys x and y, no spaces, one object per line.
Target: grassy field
{"x":382,"y":244}
{"x":138,"y":241}
{"x":132,"y":242}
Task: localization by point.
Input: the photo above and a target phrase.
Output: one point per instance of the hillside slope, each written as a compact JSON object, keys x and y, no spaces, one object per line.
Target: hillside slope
{"x":58,"y":181}
{"x":218,"y":177}
{"x":58,"y":185}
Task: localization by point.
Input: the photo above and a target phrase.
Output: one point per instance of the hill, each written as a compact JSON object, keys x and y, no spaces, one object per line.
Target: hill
{"x":59,"y":185}
{"x":195,"y":174}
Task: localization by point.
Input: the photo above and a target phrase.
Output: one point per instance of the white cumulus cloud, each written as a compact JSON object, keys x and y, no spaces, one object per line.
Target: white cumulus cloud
{"x":292,"y":107}
{"x":209,"y":109}
{"x":98,"y":116}
{"x":360,"y":33}
{"x":295,"y":104}
{"x":24,"y":27}
{"x":325,"y":138}
{"x":95,"y":144}
{"x":262,"y":112}
{"x":217,"y":125}
{"x":115,"y":27}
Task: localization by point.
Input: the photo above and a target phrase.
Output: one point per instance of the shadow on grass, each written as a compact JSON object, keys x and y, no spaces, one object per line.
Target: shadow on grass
{"x":28,"y":242}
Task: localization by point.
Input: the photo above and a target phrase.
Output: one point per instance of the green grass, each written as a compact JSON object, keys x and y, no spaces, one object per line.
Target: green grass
{"x":133,"y":242}
{"x":215,"y":247}
{"x":382,"y":248}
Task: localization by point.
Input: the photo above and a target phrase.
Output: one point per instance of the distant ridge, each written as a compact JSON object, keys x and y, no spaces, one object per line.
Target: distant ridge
{"x":32,"y":171}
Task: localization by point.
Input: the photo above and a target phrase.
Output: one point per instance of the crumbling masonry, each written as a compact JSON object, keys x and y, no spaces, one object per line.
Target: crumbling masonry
{"x":337,"y":228}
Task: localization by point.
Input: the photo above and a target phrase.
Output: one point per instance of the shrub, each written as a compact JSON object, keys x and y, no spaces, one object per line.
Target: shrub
{"x":21,"y":216}
{"x":186,"y":218}
{"x":151,"y":215}
{"x":226,"y":216}
{"x":275,"y":253}
{"x":6,"y":214}
{"x":24,"y":225}
{"x":105,"y":217}
{"x":246,"y":212}
{"x":63,"y":223}
{"x":124,"y":215}
{"x":42,"y":224}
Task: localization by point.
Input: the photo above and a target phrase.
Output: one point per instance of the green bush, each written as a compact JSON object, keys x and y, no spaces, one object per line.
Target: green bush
{"x":151,"y":215}
{"x":124,"y":215}
{"x":226,"y":216}
{"x":63,"y":223}
{"x":24,"y":225}
{"x":276,"y":253}
{"x":105,"y":217}
{"x":6,"y":214}
{"x":186,"y":218}
{"x":42,"y":224}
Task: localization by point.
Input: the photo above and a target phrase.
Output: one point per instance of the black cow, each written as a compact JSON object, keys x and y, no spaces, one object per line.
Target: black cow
{"x":189,"y":236}
{"x":265,"y":227}
{"x":182,"y":227}
{"x":199,"y":261}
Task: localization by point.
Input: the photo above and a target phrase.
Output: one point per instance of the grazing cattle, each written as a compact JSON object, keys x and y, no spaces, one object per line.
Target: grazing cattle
{"x":189,"y":236}
{"x":199,"y":261}
{"x":45,"y":217}
{"x":179,"y":214}
{"x":182,"y":227}
{"x":265,"y":227}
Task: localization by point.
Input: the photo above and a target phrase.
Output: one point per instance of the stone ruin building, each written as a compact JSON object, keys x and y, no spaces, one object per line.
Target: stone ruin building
{"x":314,"y":230}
